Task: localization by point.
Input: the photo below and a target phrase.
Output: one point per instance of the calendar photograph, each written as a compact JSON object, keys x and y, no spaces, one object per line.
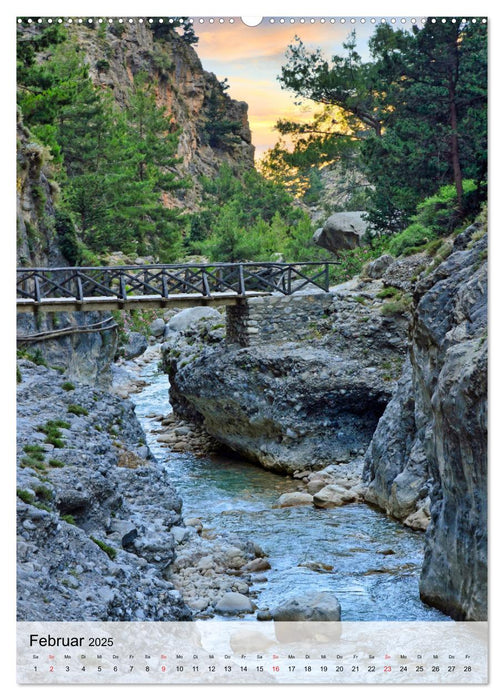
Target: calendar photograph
{"x":252,"y":343}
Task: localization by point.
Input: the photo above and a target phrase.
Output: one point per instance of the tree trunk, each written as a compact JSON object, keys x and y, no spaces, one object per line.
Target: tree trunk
{"x":457,"y":172}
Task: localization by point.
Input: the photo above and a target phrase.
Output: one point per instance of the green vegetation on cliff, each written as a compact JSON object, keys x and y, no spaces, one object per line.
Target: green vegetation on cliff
{"x":114,"y":166}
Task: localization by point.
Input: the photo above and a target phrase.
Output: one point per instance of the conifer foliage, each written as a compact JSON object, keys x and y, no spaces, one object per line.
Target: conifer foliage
{"x":412,"y":118}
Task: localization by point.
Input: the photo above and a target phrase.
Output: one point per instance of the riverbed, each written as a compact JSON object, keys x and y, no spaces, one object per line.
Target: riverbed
{"x":369,"y":561}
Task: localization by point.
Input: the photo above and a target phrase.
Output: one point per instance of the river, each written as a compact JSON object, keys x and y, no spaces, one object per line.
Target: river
{"x":375,"y":561}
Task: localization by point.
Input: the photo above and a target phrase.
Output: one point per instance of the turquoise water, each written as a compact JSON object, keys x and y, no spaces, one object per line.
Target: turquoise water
{"x":237,"y":497}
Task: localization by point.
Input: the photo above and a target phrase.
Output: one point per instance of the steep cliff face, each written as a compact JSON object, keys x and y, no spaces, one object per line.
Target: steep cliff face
{"x":212,"y":128}
{"x":449,"y":356}
{"x":431,"y":443}
{"x":36,"y":233}
{"x":192,"y":96}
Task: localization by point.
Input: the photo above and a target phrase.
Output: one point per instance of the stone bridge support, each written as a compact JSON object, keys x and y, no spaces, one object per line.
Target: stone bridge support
{"x":276,"y":318}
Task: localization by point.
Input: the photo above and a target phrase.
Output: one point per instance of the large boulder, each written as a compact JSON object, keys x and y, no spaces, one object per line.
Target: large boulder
{"x":314,"y":606}
{"x":294,"y":406}
{"x":135,"y":346}
{"x":342,"y":231}
{"x":294,"y":498}
{"x":233,"y":603}
{"x":189,"y":317}
{"x":157,"y":327}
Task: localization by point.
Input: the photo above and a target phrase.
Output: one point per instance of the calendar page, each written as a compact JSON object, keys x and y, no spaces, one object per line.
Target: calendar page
{"x":252,"y":337}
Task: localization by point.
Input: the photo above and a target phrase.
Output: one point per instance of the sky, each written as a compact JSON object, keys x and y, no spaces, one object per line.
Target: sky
{"x":251,"y":59}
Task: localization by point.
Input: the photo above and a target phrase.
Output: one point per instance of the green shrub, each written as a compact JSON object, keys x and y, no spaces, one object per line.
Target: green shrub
{"x":102,"y":65}
{"x":57,"y":463}
{"x":112,"y":553}
{"x":77,"y":410}
{"x":436,"y":217}
{"x":68,"y":386}
{"x":36,"y":451}
{"x":66,"y":236}
{"x":25,"y":496}
{"x":388,"y":292}
{"x":68,"y":519}
{"x":439,"y":212}
{"x":413,"y":237}
{"x":36,"y":356}
{"x":52,"y":430}
{"x":44,"y":493}
{"x":396,"y":307}
{"x":32,"y":463}
{"x":19,"y":378}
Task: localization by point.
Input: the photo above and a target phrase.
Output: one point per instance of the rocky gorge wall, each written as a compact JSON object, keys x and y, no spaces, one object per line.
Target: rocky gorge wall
{"x":81,"y":344}
{"x":430,"y":446}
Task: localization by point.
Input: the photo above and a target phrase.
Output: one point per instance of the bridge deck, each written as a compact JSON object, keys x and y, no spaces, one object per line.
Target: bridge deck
{"x":160,"y":286}
{"x":152,"y":301}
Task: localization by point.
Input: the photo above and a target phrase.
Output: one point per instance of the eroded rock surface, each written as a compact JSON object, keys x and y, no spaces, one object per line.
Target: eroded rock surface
{"x":293,"y":406}
{"x":429,"y":451}
{"x":95,"y":512}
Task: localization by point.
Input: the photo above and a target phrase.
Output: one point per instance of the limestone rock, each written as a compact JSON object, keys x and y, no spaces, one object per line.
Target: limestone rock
{"x":188,"y":317}
{"x":234,"y":603}
{"x":295,"y":498}
{"x":342,"y":231}
{"x":315,"y":606}
{"x":396,"y":466}
{"x":376,"y":268}
{"x":334,"y":495}
{"x":157,"y":327}
{"x":429,"y":452}
{"x":136,"y":345}
{"x":449,"y":355}
{"x":96,"y":540}
{"x":259,"y":564}
{"x":265,"y":401}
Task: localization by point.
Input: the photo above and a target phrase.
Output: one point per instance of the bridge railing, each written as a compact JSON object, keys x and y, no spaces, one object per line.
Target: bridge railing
{"x":126,"y":281}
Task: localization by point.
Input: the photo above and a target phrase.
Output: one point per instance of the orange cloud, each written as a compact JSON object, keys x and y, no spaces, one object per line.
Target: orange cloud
{"x":251,"y":59}
{"x":238,"y":42}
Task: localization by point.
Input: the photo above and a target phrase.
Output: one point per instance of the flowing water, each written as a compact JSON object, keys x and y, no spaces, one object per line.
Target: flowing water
{"x":375,"y":561}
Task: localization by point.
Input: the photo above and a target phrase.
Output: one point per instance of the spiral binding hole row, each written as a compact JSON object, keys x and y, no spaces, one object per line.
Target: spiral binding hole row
{"x":232,"y":20}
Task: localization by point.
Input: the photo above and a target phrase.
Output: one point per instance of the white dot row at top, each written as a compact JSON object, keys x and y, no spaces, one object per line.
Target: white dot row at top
{"x":252,"y":21}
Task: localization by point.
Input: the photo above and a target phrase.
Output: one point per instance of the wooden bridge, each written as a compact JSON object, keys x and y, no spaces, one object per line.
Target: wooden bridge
{"x":158,"y":286}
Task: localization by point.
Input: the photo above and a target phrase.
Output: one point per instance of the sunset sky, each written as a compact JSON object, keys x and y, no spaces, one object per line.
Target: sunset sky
{"x":251,"y":58}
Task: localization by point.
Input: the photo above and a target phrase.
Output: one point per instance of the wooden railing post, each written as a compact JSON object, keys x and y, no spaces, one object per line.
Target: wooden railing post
{"x":80,"y":294}
{"x":164,"y":285}
{"x":241,"y":280}
{"x":122,"y":287}
{"x":36,"y":287}
{"x":206,"y":287}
